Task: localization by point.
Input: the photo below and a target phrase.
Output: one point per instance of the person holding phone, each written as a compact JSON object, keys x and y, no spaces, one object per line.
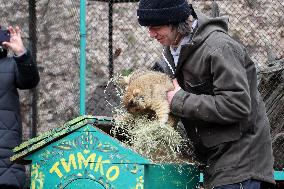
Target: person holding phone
{"x":16,"y":72}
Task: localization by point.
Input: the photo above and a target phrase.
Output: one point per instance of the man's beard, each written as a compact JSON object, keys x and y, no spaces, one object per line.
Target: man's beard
{"x":3,"y":53}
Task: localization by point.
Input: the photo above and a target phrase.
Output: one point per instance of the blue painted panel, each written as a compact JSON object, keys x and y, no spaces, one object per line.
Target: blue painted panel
{"x":279,"y":175}
{"x":171,"y":176}
{"x":89,"y":158}
{"x":87,"y":154}
{"x":88,"y":140}
{"x":84,"y":183}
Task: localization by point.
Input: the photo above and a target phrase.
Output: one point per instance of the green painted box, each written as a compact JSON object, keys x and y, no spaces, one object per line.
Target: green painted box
{"x":80,"y":155}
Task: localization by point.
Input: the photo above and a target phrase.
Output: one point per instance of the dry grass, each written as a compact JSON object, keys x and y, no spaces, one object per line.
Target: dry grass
{"x":146,"y":136}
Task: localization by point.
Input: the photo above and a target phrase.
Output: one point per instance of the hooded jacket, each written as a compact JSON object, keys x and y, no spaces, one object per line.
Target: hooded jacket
{"x":220,"y":106}
{"x":22,"y":73}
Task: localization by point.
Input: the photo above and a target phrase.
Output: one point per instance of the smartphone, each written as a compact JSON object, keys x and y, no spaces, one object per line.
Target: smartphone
{"x":4,"y":36}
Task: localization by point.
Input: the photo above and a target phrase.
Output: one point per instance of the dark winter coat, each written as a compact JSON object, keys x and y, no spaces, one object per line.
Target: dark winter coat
{"x":220,"y":106}
{"x":15,"y":72}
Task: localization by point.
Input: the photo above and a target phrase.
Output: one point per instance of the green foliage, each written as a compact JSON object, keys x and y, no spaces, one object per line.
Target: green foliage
{"x":131,"y":39}
{"x":126,"y":72}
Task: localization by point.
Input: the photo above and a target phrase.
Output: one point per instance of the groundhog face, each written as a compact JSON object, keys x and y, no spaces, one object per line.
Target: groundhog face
{"x":134,"y":100}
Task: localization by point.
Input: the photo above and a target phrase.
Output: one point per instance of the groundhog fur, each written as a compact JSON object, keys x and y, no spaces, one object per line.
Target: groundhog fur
{"x":146,"y":93}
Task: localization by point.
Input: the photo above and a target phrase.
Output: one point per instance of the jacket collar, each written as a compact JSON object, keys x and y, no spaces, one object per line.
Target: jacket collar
{"x":167,"y":56}
{"x":205,"y":27}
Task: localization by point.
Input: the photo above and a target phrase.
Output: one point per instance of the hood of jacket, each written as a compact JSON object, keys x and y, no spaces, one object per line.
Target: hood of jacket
{"x":208,"y":25}
{"x":205,"y":27}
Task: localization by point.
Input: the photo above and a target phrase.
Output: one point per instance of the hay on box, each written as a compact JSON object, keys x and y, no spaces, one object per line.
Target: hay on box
{"x":146,"y":136}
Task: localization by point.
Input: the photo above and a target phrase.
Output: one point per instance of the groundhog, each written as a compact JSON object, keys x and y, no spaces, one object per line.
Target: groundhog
{"x":146,"y":93}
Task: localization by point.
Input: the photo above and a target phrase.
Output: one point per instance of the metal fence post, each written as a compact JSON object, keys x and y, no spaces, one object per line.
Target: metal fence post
{"x":82,"y":57}
{"x":110,"y":38}
{"x":33,"y":48}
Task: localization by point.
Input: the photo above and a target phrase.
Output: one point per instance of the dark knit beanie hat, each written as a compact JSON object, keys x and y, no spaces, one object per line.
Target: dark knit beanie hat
{"x":163,"y":12}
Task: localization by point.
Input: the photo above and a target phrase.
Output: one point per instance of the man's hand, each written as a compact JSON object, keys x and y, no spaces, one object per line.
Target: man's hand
{"x":171,"y":94}
{"x":16,"y":44}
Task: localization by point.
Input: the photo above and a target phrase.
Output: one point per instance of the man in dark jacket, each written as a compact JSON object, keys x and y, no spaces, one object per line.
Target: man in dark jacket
{"x":215,"y":93}
{"x":20,"y":72}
